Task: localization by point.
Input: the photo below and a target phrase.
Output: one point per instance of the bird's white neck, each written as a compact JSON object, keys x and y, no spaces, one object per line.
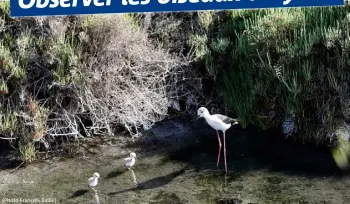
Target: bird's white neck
{"x":206,"y":115}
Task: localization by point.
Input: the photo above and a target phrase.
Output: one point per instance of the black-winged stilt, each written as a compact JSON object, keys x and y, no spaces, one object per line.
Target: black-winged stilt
{"x":93,"y":181}
{"x":218,"y":122}
{"x":130,"y":161}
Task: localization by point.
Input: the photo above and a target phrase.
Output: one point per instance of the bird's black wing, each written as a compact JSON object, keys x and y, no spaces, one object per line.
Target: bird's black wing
{"x":226,"y":119}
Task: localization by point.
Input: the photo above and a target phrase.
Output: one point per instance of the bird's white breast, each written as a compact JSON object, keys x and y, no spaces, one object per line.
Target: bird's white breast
{"x":93,"y":182}
{"x":130,"y":162}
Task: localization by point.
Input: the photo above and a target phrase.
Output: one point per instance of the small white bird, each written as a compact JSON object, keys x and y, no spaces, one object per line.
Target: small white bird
{"x":218,"y":122}
{"x":93,"y":181}
{"x":130,"y":161}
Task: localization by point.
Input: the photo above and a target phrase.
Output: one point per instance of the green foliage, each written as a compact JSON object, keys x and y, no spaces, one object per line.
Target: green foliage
{"x":87,"y":21}
{"x":7,"y":61}
{"x":3,"y":87}
{"x":205,"y":19}
{"x":30,"y":61}
{"x":5,"y":7}
{"x":8,"y":122}
{"x":28,"y":152}
{"x":272,"y":62}
{"x":25,"y":46}
{"x":69,"y":57}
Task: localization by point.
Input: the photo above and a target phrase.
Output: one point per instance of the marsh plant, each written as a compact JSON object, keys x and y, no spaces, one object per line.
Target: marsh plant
{"x":274,"y":65}
{"x":28,"y":152}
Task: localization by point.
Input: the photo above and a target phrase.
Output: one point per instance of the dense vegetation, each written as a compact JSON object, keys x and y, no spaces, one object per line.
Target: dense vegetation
{"x":285,"y":68}
{"x":281,"y":63}
{"x":64,"y":77}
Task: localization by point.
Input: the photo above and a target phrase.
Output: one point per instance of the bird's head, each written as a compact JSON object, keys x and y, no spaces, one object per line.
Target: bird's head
{"x":201,"y":112}
{"x":133,"y":155}
{"x":96,"y":175}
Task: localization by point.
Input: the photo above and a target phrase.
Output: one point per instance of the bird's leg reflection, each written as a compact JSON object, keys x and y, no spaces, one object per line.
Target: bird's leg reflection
{"x":133,"y":176}
{"x":95,"y":191}
{"x":225,"y":183}
{"x":96,"y":198}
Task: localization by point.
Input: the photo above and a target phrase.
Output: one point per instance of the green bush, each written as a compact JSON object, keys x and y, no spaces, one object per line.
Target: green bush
{"x":273,"y":63}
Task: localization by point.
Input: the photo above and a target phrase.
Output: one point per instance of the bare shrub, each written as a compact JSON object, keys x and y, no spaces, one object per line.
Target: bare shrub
{"x":127,"y":80}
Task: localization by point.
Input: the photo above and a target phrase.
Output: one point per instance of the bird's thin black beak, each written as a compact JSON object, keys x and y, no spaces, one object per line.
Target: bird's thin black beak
{"x":198,"y":117}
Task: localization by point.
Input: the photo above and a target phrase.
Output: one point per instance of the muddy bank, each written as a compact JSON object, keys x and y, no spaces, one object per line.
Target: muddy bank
{"x":177,"y":164}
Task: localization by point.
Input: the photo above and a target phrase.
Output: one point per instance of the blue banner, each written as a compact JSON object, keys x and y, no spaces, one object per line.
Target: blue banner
{"x":74,"y":7}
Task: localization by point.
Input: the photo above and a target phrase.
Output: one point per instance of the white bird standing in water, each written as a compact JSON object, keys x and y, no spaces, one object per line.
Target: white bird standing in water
{"x":218,"y":122}
{"x":93,"y":181}
{"x":130,"y":161}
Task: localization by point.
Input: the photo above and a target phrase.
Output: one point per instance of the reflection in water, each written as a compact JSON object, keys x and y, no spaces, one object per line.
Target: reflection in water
{"x":224,"y":187}
{"x":96,"y":198}
{"x":133,"y":175}
{"x":341,"y":153}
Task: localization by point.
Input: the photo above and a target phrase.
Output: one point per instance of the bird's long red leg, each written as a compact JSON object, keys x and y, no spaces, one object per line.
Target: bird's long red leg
{"x":225,"y":152}
{"x":217,"y":133}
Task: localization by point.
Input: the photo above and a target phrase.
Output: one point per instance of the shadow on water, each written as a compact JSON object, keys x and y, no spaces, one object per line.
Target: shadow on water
{"x":81,"y":192}
{"x":247,"y":149}
{"x":115,"y":173}
{"x":229,"y":201}
{"x":8,"y":156}
{"x":78,"y":193}
{"x":154,"y":183}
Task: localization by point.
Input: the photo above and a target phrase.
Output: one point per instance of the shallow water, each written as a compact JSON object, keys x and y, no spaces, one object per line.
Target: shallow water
{"x":177,"y":164}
